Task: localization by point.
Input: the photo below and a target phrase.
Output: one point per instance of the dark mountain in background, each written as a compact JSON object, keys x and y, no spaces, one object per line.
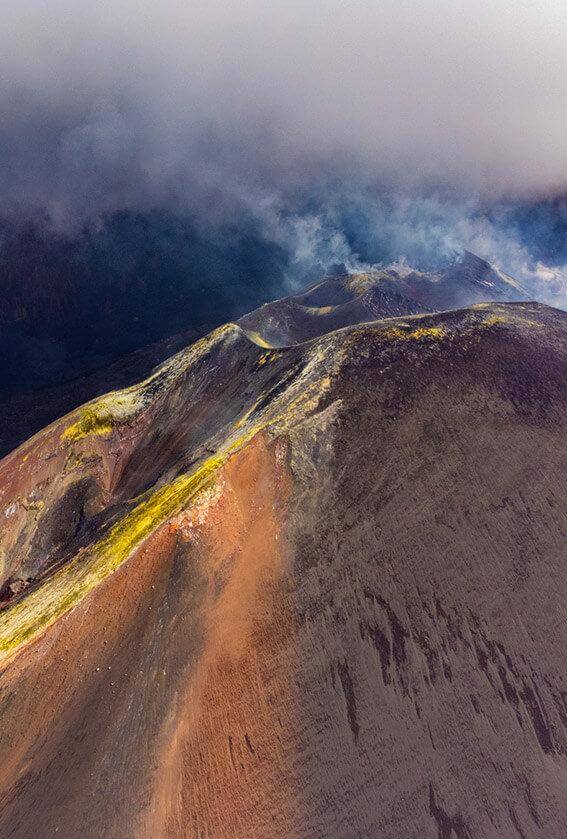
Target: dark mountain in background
{"x":84,"y":313}
{"x":70,"y":305}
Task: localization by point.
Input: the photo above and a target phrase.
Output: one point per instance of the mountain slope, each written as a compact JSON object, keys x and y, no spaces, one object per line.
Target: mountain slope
{"x":307,"y":591}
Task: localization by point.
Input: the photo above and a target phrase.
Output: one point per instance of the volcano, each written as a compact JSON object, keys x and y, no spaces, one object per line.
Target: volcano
{"x":305,"y":579}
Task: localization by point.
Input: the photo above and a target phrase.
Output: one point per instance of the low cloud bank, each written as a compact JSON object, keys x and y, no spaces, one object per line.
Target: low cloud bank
{"x":355,"y":133}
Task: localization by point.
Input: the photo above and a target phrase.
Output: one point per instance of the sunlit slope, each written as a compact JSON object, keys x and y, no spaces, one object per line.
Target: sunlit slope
{"x":314,"y":590}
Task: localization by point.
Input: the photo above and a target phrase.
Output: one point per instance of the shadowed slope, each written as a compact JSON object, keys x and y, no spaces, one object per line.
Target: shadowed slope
{"x":27,"y":410}
{"x":324,"y":591}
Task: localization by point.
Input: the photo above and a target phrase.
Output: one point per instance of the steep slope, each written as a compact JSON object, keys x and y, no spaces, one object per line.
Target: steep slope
{"x":469,"y":280}
{"x":309,"y":591}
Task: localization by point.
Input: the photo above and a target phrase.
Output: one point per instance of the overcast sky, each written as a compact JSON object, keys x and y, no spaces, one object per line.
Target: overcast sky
{"x":473,"y":94}
{"x":218,"y":105}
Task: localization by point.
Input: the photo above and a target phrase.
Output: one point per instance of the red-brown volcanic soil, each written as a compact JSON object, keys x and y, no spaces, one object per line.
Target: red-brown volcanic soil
{"x":350,"y":620}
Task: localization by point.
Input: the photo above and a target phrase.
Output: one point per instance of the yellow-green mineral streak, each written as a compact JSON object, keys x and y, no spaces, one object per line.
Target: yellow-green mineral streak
{"x":59,"y":593}
{"x":434,"y":332}
{"x":99,"y":417}
{"x":27,"y":619}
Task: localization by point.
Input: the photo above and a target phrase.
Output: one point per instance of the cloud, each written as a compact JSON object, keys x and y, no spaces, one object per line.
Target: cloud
{"x":413,"y":91}
{"x":346,"y":131}
{"x":361,"y":229}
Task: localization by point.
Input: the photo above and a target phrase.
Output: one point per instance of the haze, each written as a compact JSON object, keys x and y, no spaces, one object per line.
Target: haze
{"x":280,"y":110}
